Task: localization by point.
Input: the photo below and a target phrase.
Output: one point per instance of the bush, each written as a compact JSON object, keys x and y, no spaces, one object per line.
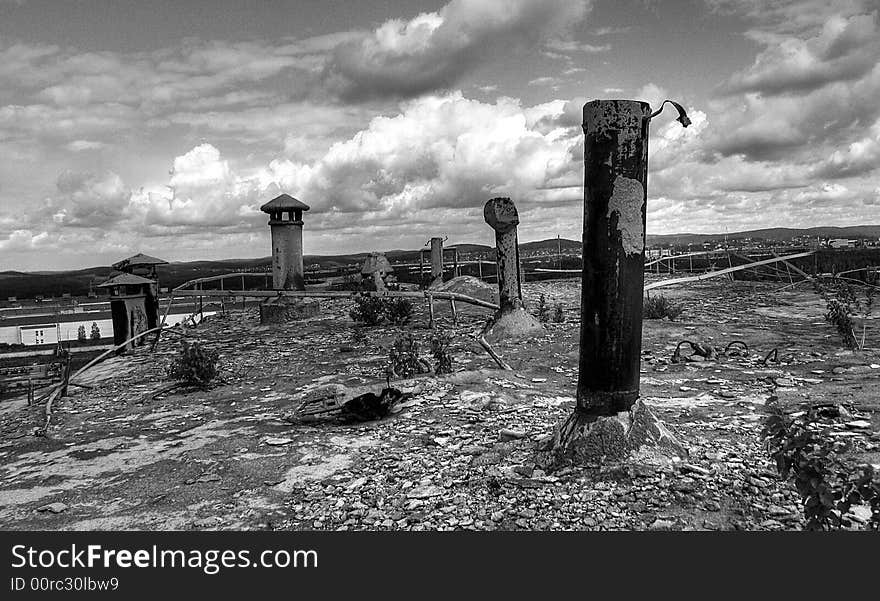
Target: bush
{"x":440,"y":350}
{"x":558,"y":313}
{"x":373,"y":310}
{"x":839,"y":315}
{"x":398,"y":310}
{"x":805,"y":452}
{"x":96,"y":331}
{"x":543,"y":310}
{"x":404,"y":360}
{"x":351,"y":281}
{"x":368,"y":310}
{"x":81,"y":333}
{"x":658,"y":307}
{"x":194,"y":364}
{"x":841,"y":304}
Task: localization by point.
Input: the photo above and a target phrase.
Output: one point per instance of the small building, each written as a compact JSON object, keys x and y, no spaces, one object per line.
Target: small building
{"x":146,"y":267}
{"x":37,"y":334}
{"x":129,"y":295}
{"x":841,"y":243}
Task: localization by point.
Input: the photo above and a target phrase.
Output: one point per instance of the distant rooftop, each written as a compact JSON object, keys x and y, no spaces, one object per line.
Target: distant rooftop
{"x":138,"y":259}
{"x":285,"y":202}
{"x":125,"y":279}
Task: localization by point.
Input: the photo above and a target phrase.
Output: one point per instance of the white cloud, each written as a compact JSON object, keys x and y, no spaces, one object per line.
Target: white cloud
{"x":87,"y":199}
{"x":434,"y":50}
{"x":440,"y":151}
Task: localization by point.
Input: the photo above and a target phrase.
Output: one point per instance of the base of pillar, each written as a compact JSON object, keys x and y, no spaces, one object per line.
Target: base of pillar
{"x":584,"y":438}
{"x":511,"y":326}
{"x":283,"y":309}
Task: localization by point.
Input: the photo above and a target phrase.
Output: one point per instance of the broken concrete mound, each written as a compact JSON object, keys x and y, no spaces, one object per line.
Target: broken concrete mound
{"x":512,"y":325}
{"x":587,"y":439}
{"x":283,"y":309}
{"x":471,"y":286}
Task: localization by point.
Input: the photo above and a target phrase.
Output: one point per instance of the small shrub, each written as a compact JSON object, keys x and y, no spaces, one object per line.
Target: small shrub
{"x":368,"y":310}
{"x":350,"y":281}
{"x":840,"y":316}
{"x":841,"y":304}
{"x":373,"y":310}
{"x":658,"y":307}
{"x":805,"y":452}
{"x":96,"y":331}
{"x":404,"y":360}
{"x":398,"y":310}
{"x":81,"y":333}
{"x":194,"y":364}
{"x":543,"y":310}
{"x":440,"y":350}
{"x":558,"y":313}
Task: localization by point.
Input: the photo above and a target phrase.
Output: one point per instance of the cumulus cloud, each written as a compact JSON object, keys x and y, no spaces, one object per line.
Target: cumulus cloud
{"x":806,"y":92}
{"x":860,"y":157}
{"x":439,"y":152}
{"x":433,"y":51}
{"x":87,"y":199}
{"x":845,"y":49}
{"x":202,"y":192}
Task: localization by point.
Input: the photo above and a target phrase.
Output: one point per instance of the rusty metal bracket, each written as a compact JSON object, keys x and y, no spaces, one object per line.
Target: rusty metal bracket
{"x":736,"y":352}
{"x":682,"y":114}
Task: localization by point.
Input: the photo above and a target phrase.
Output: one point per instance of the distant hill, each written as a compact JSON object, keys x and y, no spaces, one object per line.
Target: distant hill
{"x":781,"y":234}
{"x":56,"y":283}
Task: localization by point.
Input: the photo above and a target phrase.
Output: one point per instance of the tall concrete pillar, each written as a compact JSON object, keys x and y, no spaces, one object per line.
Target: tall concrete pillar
{"x":609,"y":421}
{"x":436,"y":262}
{"x":512,"y":321}
{"x":285,"y":221}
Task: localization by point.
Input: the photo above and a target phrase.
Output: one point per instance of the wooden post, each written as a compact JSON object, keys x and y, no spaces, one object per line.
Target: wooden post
{"x":421,"y":267}
{"x":480,"y":269}
{"x":430,"y":298}
{"x":454,"y":311}
{"x":436,"y":262}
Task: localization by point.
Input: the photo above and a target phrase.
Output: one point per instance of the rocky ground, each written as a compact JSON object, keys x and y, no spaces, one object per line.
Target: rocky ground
{"x":461,"y":452}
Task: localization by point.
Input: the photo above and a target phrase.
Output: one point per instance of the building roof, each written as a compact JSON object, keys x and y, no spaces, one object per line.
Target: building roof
{"x":138,"y":259}
{"x":285,"y":202}
{"x":125,"y":279}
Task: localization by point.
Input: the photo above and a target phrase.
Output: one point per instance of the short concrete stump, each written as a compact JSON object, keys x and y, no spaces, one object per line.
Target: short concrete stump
{"x":511,"y":326}
{"x":284,"y":309}
{"x":586,"y":439}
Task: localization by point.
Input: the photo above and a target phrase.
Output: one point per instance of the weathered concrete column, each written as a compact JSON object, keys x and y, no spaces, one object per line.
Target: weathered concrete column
{"x":436,"y":262}
{"x":502,"y":216}
{"x":613,"y":278}
{"x":608,"y":420}
{"x":511,"y":321}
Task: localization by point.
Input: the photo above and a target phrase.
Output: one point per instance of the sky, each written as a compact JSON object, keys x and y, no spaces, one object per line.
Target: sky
{"x":161,"y":127}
